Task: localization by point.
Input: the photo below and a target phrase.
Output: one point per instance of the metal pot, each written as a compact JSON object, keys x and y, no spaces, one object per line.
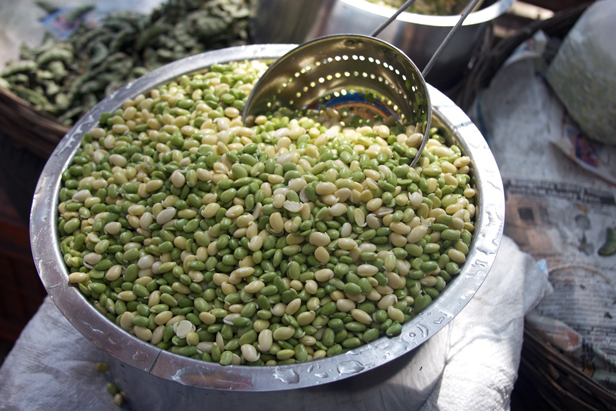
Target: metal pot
{"x":282,"y":21}
{"x":154,"y":379}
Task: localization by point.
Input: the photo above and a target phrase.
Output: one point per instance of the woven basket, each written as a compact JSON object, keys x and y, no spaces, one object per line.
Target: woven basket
{"x":28,"y":128}
{"x":558,"y":382}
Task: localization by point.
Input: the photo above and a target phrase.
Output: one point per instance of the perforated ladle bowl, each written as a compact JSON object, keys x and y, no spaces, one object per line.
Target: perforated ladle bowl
{"x":362,"y":73}
{"x":368,"y":76}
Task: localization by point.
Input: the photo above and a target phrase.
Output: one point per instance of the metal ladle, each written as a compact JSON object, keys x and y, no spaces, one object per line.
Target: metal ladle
{"x":368,"y":76}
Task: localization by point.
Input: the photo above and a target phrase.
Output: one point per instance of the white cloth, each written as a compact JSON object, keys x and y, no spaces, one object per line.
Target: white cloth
{"x":486,"y":337}
{"x":53,"y":367}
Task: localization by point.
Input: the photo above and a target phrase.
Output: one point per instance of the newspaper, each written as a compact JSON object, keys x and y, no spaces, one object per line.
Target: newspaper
{"x":589,"y":154}
{"x":557,"y":208}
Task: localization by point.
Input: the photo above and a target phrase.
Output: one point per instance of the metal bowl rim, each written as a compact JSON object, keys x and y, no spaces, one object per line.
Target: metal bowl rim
{"x":480,"y":16}
{"x":148,"y":358}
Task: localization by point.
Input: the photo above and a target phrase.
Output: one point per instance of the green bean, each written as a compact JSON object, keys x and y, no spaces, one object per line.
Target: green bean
{"x":123,"y":47}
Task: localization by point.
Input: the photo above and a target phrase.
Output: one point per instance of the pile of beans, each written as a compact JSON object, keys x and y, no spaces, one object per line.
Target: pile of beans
{"x":301,"y":237}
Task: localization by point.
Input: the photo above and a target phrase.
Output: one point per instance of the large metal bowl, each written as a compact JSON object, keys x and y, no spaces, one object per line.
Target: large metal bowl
{"x":153,"y":377}
{"x":283,"y":21}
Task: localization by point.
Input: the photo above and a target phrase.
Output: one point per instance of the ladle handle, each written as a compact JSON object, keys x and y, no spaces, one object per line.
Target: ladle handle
{"x":450,"y":35}
{"x":392,"y":18}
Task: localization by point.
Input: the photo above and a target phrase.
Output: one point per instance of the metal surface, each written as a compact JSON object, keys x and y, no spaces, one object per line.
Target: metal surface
{"x":340,"y":71}
{"x":201,"y":378}
{"x":417,"y":35}
{"x":403,"y":384}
